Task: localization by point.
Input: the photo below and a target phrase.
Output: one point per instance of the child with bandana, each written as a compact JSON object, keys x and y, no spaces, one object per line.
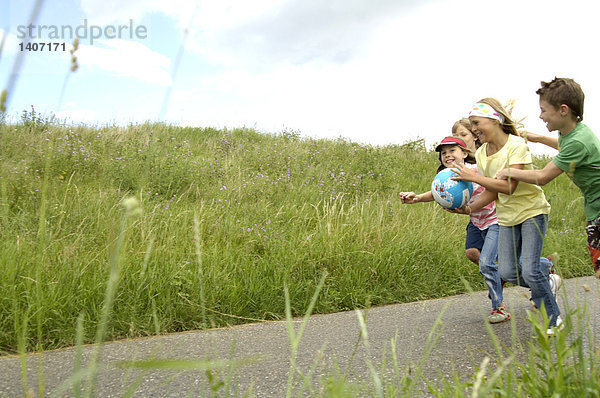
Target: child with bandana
{"x":521,"y":208}
{"x":561,"y":105}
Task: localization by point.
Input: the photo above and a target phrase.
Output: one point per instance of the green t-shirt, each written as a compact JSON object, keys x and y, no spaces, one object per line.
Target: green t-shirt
{"x":579,"y":157}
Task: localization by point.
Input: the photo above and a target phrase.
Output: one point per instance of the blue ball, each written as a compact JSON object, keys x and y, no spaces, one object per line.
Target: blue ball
{"x":449,"y":193}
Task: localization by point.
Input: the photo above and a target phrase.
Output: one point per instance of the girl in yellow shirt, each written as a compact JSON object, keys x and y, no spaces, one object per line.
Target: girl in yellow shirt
{"x":522,"y":208}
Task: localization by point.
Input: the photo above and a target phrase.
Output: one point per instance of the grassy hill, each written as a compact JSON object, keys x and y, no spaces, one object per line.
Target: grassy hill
{"x":221,"y":221}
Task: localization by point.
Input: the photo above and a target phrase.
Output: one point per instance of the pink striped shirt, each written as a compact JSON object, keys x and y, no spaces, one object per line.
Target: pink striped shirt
{"x":485,"y":217}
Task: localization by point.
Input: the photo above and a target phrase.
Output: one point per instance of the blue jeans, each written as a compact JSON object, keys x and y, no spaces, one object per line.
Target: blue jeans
{"x":488,"y":267}
{"x":519,"y":250}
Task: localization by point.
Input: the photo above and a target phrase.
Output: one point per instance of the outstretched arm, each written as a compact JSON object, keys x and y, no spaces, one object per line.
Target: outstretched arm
{"x":502,"y":186}
{"x":410,"y":198}
{"x":541,"y":138}
{"x":539,"y":177}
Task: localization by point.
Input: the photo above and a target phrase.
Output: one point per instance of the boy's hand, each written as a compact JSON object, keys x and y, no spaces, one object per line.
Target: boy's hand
{"x":528,"y":136}
{"x":503,"y":174}
{"x":464,"y":173}
{"x":409,"y":198}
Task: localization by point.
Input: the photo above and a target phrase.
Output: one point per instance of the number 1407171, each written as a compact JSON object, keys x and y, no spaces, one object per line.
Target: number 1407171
{"x":49,"y":46}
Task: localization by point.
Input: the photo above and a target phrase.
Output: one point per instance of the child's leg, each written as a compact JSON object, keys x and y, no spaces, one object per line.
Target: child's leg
{"x":546,"y":265}
{"x":532,"y":234}
{"x":593,"y":241}
{"x":473,"y":243}
{"x":488,"y":267}
{"x":509,"y":255}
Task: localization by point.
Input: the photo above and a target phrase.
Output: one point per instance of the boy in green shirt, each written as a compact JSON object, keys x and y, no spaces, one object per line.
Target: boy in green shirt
{"x":561,"y":104}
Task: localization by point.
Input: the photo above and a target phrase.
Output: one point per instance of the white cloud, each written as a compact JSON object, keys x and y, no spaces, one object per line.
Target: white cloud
{"x":264,"y":32}
{"x":77,"y":116}
{"x":109,"y":11}
{"x":374,"y":71}
{"x":118,"y":11}
{"x":128,"y":59}
{"x":295,"y":32}
{"x":303,"y":31}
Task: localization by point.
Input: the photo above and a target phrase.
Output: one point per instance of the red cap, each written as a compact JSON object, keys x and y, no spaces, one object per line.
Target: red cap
{"x":451,"y":141}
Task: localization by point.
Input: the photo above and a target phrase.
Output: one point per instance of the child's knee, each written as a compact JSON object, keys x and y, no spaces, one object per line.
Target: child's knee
{"x":533,"y":275}
{"x":473,"y":255}
{"x":506,"y":274}
{"x":486,"y":266}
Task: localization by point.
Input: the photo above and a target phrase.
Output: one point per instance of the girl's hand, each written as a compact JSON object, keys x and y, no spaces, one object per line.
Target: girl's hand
{"x":409,"y":198}
{"x":464,"y":173}
{"x":466,"y":209}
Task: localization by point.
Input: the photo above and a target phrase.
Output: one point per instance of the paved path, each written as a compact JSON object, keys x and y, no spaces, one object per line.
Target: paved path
{"x":328,"y":339}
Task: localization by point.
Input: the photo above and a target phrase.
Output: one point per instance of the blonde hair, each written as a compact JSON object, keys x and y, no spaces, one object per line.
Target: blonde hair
{"x":466,"y":123}
{"x":508,"y":125}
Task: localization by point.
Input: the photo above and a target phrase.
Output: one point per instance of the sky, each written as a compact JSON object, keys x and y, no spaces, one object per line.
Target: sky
{"x":376,"y":72}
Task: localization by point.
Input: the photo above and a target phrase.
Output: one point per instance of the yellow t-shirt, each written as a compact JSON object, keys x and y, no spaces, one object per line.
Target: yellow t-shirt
{"x":528,"y":200}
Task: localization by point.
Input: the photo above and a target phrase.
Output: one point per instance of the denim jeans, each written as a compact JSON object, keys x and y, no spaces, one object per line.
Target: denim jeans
{"x":488,"y":267}
{"x":519,"y":250}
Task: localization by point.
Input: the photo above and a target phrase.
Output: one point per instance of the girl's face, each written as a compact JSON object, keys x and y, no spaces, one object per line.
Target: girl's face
{"x":484,"y":127}
{"x":465,"y":134}
{"x":451,"y":155}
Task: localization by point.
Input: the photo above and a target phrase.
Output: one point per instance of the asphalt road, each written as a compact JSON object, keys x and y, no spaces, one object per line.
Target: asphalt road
{"x":328,"y":340}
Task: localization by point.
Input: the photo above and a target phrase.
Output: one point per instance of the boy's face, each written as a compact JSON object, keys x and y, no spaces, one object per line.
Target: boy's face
{"x":451,"y":155}
{"x":553,"y":117}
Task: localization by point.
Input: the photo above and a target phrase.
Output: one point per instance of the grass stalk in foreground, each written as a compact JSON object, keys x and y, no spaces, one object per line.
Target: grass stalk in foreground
{"x":18,"y":63}
{"x":296,"y":336}
{"x":198,"y":246}
{"x":132,"y":208}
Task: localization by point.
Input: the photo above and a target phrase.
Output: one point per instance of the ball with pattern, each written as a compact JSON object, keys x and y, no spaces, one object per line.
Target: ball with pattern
{"x":450,"y":193}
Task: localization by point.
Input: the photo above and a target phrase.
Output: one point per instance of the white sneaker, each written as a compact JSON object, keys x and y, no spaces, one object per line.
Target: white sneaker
{"x":551,"y":332}
{"x":555,"y":283}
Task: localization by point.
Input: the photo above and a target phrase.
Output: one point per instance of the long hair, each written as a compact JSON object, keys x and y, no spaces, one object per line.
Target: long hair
{"x":508,"y":126}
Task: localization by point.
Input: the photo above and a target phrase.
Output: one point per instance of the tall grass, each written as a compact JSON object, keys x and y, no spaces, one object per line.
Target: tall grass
{"x":224,"y":220}
{"x":272,"y":210}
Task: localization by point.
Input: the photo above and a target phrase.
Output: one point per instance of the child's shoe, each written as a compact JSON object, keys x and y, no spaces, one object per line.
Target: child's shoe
{"x":555,"y":283}
{"x":499,"y":314}
{"x":551,"y":332}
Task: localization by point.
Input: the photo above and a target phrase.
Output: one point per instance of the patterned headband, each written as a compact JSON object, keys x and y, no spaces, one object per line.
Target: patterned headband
{"x":484,"y":110}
